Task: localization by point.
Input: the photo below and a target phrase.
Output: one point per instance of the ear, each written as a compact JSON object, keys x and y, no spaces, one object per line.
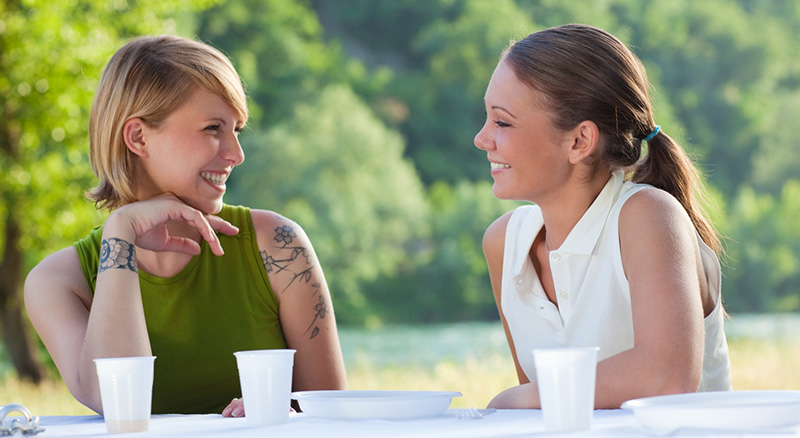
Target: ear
{"x":133,"y":132}
{"x":585,"y":138}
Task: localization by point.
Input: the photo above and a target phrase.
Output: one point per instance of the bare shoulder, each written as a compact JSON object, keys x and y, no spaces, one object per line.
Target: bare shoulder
{"x":275,"y":229}
{"x":57,"y":275}
{"x":286,"y":252}
{"x":653,"y":210}
{"x":495,"y":236}
{"x":656,"y":233}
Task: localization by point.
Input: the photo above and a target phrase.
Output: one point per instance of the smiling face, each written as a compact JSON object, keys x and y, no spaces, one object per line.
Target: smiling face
{"x":192,"y":153}
{"x":526,"y":153}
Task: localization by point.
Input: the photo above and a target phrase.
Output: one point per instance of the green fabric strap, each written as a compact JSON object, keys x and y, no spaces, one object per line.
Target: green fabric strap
{"x":197,"y":319}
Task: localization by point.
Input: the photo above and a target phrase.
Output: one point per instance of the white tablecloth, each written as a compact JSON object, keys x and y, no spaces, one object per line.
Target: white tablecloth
{"x":503,"y":423}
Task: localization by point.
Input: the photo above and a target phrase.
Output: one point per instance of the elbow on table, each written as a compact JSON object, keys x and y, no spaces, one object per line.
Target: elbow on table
{"x":88,"y":398}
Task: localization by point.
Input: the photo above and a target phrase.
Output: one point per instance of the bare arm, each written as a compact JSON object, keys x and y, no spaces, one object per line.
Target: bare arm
{"x":660,"y":256}
{"x":306,"y":310}
{"x":78,"y":328}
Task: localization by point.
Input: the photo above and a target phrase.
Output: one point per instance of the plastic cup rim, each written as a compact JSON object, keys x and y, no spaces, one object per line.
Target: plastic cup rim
{"x":275,"y":352}
{"x":127,"y":358}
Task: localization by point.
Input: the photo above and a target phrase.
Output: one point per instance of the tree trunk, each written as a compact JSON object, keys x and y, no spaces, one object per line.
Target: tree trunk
{"x":15,"y":326}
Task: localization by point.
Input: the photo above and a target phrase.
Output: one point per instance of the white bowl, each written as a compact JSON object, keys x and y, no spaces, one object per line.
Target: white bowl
{"x":726,"y":410}
{"x":385,"y":405}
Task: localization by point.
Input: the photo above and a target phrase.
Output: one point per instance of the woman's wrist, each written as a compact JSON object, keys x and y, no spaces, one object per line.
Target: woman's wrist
{"x":117,"y":249}
{"x":117,"y":254}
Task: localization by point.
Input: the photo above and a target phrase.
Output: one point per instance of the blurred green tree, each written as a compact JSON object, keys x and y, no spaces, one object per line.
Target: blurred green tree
{"x":449,"y":279}
{"x":442,"y":54}
{"x":764,"y":268}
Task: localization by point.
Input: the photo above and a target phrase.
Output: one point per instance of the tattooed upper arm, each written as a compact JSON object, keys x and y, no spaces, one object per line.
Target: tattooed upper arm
{"x":290,"y":260}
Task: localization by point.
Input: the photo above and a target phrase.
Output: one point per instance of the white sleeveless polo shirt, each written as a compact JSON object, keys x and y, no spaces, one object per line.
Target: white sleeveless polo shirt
{"x":593,"y":294}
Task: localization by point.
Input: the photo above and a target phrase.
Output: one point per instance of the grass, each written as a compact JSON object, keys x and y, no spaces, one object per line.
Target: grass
{"x":756,"y":364}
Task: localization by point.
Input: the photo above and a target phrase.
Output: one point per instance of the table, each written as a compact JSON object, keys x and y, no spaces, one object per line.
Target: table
{"x":503,"y":423}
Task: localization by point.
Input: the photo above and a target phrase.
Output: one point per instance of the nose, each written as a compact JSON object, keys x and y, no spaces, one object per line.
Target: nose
{"x":482,"y":139}
{"x":232,"y":151}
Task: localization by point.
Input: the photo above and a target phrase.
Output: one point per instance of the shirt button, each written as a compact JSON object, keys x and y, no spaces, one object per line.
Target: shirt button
{"x":563,"y":295}
{"x":556,"y":257}
{"x":519,"y":281}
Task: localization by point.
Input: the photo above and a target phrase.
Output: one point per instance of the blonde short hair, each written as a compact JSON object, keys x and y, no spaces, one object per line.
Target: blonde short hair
{"x":149,"y":78}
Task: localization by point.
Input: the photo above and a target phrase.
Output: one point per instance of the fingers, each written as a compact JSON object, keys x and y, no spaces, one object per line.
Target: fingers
{"x":222,"y":225}
{"x":207,"y":225}
{"x":149,"y":220}
{"x":234,"y":409}
{"x":201,"y":222}
{"x":182,"y":244}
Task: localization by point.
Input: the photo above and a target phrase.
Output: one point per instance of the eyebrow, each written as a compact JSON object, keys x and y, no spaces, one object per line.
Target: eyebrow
{"x":223,"y":121}
{"x":496,"y":107}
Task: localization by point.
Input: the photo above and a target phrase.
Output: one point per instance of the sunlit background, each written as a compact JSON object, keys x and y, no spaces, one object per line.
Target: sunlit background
{"x":363,"y":114}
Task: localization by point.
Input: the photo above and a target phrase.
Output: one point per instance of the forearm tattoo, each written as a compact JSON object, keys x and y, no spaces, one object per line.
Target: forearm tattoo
{"x":117,"y":253}
{"x":294,"y":261}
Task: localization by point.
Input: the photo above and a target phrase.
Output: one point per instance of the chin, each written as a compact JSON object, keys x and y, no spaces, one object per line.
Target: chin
{"x":499,"y":193}
{"x":206,"y":207}
{"x":216,"y":208}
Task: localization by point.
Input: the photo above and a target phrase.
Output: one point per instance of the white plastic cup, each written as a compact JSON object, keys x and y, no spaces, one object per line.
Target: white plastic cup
{"x":126,"y":392}
{"x":566,"y":379}
{"x":266,"y":380}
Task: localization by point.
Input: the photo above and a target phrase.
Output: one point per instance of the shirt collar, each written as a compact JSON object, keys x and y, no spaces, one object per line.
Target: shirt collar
{"x":583,"y":237}
{"x":585,"y":234}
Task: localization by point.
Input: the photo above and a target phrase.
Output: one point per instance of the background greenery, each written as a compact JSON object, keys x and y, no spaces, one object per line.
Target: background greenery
{"x":363,"y":114}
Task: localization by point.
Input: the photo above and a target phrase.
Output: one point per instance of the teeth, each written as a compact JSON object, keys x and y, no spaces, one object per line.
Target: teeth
{"x":214,"y":178}
{"x":499,"y":165}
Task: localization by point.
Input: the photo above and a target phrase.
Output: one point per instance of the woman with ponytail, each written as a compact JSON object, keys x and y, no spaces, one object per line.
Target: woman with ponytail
{"x":616,"y":252}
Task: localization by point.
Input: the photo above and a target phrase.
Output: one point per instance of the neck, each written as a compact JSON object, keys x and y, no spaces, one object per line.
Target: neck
{"x":567,"y":208}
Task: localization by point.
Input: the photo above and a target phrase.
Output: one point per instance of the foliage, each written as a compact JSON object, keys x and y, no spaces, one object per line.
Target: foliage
{"x":765,"y":269}
{"x":449,"y":282}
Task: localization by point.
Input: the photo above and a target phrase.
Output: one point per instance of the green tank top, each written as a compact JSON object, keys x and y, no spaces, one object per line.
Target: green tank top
{"x":197,"y":319}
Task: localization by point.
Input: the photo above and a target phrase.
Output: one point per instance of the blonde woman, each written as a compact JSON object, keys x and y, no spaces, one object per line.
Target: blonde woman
{"x":174,"y":272}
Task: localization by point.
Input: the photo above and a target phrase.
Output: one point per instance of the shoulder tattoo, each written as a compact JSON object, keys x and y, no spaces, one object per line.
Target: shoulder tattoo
{"x":291,"y":259}
{"x":117,"y":253}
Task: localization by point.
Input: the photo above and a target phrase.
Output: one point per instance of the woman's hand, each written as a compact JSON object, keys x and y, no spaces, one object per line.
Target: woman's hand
{"x":234,"y":409}
{"x":524,"y":396}
{"x":145,"y":224}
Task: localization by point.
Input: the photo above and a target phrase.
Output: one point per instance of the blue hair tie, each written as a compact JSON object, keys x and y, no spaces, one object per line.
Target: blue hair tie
{"x":653,"y":134}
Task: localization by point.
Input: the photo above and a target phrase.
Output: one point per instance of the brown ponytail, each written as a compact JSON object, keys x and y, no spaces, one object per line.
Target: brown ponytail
{"x":588,"y":74}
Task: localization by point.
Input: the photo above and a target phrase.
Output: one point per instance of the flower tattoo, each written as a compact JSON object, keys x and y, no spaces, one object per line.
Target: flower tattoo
{"x":285,"y":235}
{"x":117,"y":253}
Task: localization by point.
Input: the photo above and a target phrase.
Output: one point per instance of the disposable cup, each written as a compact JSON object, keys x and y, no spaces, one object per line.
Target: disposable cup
{"x":566,"y":379}
{"x":126,"y":392}
{"x":266,"y":380}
